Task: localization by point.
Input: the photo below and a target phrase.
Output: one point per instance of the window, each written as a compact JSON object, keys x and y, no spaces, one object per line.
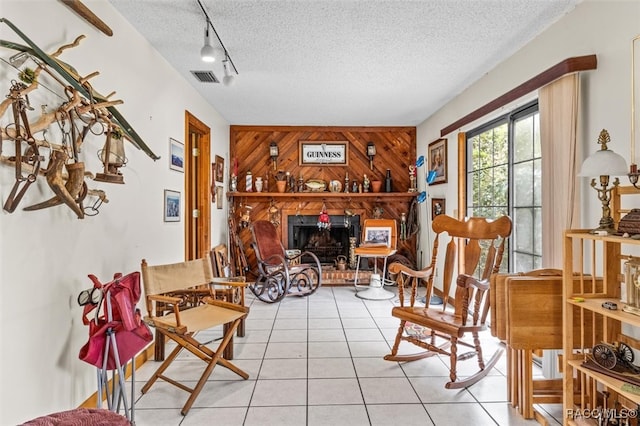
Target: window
{"x":504,"y":177}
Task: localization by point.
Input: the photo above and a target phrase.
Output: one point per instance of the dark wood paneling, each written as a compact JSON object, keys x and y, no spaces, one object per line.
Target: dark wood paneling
{"x":396,"y":150}
{"x":395,"y":146}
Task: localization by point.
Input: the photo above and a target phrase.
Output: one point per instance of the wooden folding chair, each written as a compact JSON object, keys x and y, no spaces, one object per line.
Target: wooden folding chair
{"x":226,"y":287}
{"x":176,"y":285}
{"x":481,"y":244}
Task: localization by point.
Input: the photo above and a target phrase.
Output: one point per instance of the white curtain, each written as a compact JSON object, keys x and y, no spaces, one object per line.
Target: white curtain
{"x":558,"y":105}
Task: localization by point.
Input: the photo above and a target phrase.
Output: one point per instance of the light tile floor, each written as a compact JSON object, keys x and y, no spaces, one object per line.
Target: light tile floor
{"x":319,"y":361}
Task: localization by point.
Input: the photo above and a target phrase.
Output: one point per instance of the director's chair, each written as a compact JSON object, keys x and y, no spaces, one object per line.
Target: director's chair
{"x":175,"y":286}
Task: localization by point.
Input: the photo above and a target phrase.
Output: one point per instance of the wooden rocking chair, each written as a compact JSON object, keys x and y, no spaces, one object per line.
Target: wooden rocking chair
{"x":481,"y":245}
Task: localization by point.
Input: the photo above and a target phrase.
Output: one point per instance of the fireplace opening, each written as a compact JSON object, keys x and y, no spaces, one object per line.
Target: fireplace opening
{"x":327,"y":244}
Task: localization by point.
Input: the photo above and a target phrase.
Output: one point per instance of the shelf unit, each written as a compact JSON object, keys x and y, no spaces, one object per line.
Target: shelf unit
{"x":594,"y":273}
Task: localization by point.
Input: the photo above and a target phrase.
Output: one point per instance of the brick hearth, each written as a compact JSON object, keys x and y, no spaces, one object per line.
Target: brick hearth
{"x":332,"y":277}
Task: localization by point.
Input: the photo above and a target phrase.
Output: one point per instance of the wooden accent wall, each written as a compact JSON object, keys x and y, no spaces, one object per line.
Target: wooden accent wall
{"x":395,"y":147}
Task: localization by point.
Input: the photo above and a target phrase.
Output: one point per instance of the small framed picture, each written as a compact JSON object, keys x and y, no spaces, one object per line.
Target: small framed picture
{"x":176,"y":155}
{"x":437,"y":160}
{"x":631,"y":277}
{"x":438,"y":207}
{"x":212,"y":188}
{"x":219,"y":196}
{"x":219,"y":169}
{"x":378,"y":235}
{"x":172,"y":207}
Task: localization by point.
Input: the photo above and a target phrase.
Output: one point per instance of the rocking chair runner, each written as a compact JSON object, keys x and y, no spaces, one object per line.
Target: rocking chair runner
{"x":280,"y":275}
{"x":481,"y":244}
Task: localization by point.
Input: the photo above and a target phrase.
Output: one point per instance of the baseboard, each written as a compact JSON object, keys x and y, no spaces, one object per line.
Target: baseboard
{"x":141,"y":358}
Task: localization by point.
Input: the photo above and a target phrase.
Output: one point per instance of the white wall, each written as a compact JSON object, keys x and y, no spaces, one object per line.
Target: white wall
{"x":45,"y":255}
{"x":604,"y":28}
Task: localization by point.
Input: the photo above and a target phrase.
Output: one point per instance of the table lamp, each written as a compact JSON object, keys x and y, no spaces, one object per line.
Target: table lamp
{"x":604,"y":163}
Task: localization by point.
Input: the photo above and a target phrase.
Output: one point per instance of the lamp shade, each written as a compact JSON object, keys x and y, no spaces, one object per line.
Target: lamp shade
{"x":207,"y":53}
{"x":604,"y":163}
{"x":227,"y":80}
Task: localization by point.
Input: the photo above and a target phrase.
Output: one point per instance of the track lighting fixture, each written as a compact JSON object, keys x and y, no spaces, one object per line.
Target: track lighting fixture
{"x":208,"y":52}
{"x":227,"y":80}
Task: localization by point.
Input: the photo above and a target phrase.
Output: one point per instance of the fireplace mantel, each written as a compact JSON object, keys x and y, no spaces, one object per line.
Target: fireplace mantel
{"x":284,"y":196}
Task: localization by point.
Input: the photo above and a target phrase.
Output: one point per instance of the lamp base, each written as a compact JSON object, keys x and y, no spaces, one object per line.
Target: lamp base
{"x":375,"y":290}
{"x":606,"y":226}
{"x":109,"y":178}
{"x":375,"y":293}
{"x":604,"y":230}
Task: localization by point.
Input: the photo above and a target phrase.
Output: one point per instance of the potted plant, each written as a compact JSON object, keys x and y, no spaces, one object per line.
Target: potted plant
{"x":281,"y":180}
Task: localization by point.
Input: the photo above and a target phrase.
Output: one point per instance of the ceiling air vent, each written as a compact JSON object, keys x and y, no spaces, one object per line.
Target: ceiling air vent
{"x":205,"y":76}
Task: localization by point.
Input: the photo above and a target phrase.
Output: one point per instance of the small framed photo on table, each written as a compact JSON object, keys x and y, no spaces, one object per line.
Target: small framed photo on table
{"x":378,"y":235}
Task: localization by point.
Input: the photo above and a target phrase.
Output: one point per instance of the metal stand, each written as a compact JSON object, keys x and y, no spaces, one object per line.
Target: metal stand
{"x":375,"y":290}
{"x":117,"y":393}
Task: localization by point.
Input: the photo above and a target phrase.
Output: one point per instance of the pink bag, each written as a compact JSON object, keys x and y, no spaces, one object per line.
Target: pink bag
{"x":118,"y":316}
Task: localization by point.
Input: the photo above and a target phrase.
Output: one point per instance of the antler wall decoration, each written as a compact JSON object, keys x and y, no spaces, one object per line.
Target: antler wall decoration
{"x":82,"y":112}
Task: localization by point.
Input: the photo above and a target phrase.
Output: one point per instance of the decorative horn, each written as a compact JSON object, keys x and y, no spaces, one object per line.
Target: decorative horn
{"x":56,"y":183}
{"x":74,"y":185}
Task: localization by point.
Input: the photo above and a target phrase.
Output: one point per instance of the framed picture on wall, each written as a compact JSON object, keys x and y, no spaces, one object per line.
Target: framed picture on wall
{"x":219,"y":169}
{"x":176,"y":155}
{"x":437,"y":160}
{"x":219,"y":196}
{"x":438,"y":207}
{"x":172,"y":200}
{"x":323,"y":153}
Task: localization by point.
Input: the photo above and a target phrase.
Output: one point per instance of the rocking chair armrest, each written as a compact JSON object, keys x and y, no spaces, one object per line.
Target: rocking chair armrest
{"x":274,"y":260}
{"x":398,"y":267}
{"x":467,"y":281}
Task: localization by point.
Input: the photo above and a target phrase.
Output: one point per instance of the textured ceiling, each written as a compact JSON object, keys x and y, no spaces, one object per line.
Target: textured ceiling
{"x":341,"y":63}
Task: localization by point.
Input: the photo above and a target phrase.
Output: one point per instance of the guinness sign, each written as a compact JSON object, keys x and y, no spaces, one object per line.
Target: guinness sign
{"x":327,"y":153}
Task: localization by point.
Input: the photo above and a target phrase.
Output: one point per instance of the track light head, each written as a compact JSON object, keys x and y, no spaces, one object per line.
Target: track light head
{"x":207,"y":53}
{"x":228,"y":78}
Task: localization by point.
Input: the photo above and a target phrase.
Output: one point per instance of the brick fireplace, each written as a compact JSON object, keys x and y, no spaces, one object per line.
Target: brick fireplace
{"x":303,"y":234}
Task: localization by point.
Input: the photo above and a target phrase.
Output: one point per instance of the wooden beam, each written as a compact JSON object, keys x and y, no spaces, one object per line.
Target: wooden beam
{"x":86,"y":14}
{"x":568,"y":66}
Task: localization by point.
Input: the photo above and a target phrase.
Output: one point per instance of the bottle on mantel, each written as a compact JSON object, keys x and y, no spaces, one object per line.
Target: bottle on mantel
{"x":248,"y":181}
{"x":388,"y":182}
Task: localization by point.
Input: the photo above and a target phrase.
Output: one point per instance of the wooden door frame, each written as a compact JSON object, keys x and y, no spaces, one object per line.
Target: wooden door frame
{"x":200,"y":189}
